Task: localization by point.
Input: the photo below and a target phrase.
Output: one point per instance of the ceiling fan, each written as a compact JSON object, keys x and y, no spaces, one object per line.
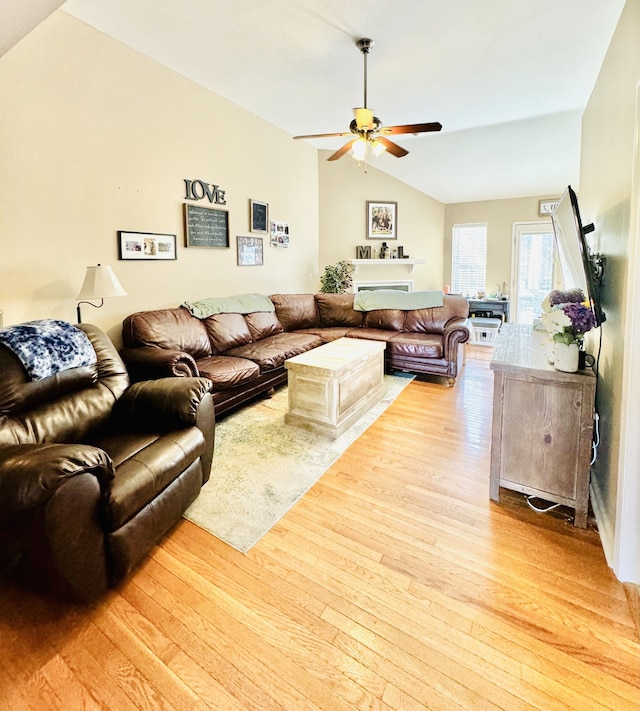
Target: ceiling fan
{"x":368,"y":129}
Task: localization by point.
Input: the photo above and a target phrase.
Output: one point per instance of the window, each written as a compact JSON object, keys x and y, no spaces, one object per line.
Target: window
{"x":469,"y":258}
{"x":534,"y":268}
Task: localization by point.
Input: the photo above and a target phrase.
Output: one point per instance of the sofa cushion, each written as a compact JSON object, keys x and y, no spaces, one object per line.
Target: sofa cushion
{"x":424,"y":321}
{"x":337,"y":310}
{"x":18,"y":392}
{"x":270,"y":353}
{"x":416,"y":345}
{"x":371,"y":334}
{"x":296,"y":311}
{"x":262,"y":324}
{"x":144,"y":466}
{"x":327,"y":334}
{"x":435,"y":320}
{"x":226,"y":372}
{"x":227,"y":331}
{"x":55,"y":410}
{"x":385,"y":319}
{"x":171,"y":329}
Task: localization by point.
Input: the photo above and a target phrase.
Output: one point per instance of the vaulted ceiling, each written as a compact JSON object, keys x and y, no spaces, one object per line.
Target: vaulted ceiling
{"x":508,"y":79}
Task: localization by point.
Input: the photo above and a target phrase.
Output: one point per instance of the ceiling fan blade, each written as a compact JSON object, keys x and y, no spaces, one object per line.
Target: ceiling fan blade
{"x":341,"y":151}
{"x":325,"y":135}
{"x":413,"y":128}
{"x":392,"y":147}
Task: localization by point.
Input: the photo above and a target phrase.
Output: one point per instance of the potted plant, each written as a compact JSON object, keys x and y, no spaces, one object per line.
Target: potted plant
{"x":337,"y":278}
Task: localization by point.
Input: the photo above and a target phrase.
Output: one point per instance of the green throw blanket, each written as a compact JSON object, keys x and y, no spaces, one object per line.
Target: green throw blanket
{"x":241,"y":304}
{"x":396,"y":299}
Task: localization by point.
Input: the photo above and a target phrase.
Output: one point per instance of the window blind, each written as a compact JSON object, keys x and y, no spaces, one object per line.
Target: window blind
{"x":469,"y":258}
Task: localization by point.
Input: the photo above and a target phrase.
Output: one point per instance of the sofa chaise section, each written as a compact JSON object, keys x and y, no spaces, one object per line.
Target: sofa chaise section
{"x":424,"y":341}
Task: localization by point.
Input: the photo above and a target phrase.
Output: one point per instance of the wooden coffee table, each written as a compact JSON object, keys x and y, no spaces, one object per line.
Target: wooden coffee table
{"x":332,"y":386}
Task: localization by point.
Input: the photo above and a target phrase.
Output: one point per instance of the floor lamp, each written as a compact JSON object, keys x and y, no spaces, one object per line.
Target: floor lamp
{"x":99,"y":283}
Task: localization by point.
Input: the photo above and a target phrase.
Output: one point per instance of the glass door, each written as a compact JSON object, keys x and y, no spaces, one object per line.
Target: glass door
{"x":534,"y":270}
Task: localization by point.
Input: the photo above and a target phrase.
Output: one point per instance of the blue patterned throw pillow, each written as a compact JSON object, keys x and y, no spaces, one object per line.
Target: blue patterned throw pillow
{"x":48,"y":346}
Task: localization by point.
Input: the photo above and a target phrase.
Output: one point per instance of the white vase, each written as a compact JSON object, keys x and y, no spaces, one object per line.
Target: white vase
{"x":566,"y":357}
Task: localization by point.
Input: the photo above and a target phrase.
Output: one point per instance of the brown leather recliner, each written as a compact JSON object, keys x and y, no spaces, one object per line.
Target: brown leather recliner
{"x":95,"y":471}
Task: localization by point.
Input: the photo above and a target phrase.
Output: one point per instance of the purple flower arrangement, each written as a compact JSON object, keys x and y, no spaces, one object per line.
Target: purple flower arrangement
{"x":573,"y":296}
{"x":581,"y":316}
{"x":567,"y":315}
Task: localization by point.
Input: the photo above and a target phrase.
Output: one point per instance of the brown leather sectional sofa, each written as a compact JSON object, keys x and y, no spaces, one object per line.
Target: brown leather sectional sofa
{"x":244,"y":354}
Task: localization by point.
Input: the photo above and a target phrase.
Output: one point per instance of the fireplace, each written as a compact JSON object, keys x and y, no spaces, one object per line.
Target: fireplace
{"x":400,"y":285}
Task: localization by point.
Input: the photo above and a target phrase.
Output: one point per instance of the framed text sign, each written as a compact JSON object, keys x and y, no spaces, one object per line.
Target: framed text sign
{"x":259,"y":217}
{"x":205,"y":227}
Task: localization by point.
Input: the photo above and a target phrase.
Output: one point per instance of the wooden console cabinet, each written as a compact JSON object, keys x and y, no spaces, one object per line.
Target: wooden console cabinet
{"x":542,"y":422}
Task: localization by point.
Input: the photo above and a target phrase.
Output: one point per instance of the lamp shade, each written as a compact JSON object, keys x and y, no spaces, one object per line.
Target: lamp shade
{"x":100,"y":282}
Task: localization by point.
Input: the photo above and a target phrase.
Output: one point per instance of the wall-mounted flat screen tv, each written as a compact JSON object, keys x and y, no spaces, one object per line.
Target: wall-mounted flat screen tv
{"x":575,"y":257}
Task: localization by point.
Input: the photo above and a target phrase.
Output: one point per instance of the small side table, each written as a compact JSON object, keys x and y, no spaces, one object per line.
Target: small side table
{"x":494,"y":307}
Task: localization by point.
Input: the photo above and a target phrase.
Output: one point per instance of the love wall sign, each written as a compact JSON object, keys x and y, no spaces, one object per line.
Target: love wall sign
{"x":198,"y":190}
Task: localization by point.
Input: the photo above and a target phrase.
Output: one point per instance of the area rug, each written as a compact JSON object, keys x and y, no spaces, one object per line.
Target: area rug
{"x":261,"y":466}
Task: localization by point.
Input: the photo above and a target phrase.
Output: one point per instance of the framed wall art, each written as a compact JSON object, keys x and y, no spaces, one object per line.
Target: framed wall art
{"x":146,"y":246}
{"x":250,"y":251}
{"x":382,"y":220}
{"x":279,"y":234}
{"x":205,"y":226}
{"x":259,"y":217}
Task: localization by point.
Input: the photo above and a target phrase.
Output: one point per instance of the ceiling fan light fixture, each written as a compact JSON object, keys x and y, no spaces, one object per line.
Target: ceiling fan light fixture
{"x":359,"y":149}
{"x":369,"y":131}
{"x":364,"y":118}
{"x":378,"y":148}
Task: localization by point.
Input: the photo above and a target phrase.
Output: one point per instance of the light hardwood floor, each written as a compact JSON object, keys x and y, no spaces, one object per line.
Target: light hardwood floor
{"x":393,"y":584}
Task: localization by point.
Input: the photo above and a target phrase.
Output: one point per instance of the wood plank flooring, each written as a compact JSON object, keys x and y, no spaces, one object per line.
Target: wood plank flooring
{"x":393,"y":584}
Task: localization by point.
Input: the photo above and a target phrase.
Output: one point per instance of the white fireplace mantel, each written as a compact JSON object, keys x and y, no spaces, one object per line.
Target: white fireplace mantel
{"x":386,"y":262}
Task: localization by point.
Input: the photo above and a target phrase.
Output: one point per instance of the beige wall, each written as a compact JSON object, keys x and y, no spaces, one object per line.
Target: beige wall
{"x":609,"y":198}
{"x":96,"y":138}
{"x":499,"y":216}
{"x":344,"y":191}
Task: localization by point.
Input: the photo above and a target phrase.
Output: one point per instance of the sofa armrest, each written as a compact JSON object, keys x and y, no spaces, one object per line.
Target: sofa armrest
{"x":167,"y":404}
{"x":147,"y":363}
{"x":51,"y":517}
{"x":161,"y":405}
{"x":30,"y":474}
{"x":457,"y":330}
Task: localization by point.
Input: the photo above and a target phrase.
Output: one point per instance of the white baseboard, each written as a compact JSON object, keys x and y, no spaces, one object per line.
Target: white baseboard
{"x":605,"y":525}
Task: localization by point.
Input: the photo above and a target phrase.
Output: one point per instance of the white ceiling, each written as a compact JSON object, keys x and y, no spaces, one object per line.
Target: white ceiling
{"x":508,"y":79}
{"x":18,"y":18}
